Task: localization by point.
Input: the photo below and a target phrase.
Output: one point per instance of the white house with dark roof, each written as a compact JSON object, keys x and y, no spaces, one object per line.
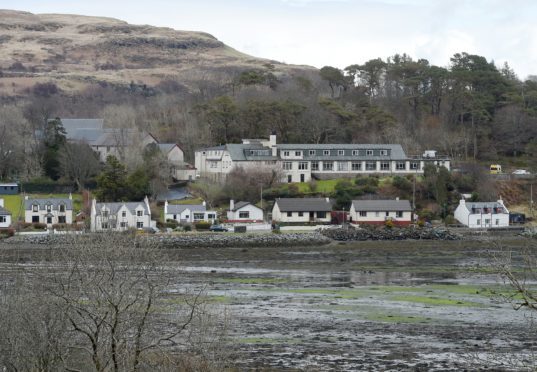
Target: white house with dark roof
{"x":188,"y":213}
{"x":120,"y":216}
{"x":301,"y":162}
{"x":244,"y":212}
{"x":482,"y":214}
{"x":5,"y":215}
{"x":49,"y":211}
{"x":306,"y":210}
{"x":377,"y":212}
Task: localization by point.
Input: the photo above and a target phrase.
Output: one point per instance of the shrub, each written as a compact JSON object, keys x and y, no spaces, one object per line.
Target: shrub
{"x":402,"y":183}
{"x":187,"y":228}
{"x":388,"y":224}
{"x":7,"y":232}
{"x":202,"y":225}
{"x":39,"y":226}
{"x":172,"y":224}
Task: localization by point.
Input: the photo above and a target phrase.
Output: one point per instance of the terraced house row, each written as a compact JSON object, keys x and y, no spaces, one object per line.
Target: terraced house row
{"x":302,"y":162}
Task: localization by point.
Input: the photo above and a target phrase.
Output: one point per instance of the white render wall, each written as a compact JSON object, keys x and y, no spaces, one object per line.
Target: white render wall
{"x":176,"y":156}
{"x":28,"y":214}
{"x":279,"y":216}
{"x":481,"y":220}
{"x":7,"y":222}
{"x":256,"y":214}
{"x":378,"y":216}
{"x":115,"y":221}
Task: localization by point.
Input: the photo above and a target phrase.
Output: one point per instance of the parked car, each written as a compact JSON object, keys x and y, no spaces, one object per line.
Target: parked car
{"x":521,"y":171}
{"x":218,"y":228}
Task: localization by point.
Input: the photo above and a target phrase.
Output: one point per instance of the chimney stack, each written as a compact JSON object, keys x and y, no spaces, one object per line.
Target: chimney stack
{"x":231,"y":204}
{"x":1,"y":202}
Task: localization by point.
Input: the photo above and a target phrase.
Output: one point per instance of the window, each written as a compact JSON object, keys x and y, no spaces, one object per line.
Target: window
{"x":35,"y":219}
{"x":384,"y":165}
{"x":61,"y":219}
{"x":363,"y":214}
{"x":124,"y":214}
{"x":289,"y":178}
{"x":342,"y":166}
{"x":384,"y":152}
{"x":287,"y":165}
{"x":303,"y":165}
{"x":286,"y":153}
{"x":496,"y":222}
{"x":289,"y":214}
{"x":314,"y":165}
{"x":326,"y":152}
{"x":341,"y":152}
{"x":487,"y":221}
{"x":123,"y":224}
{"x":298,"y":153}
{"x":3,"y":219}
{"x":370,"y":165}
{"x":187,"y":217}
{"x":321,"y":214}
{"x":400,"y":165}
{"x":387,"y":214}
{"x":312,"y":152}
{"x":355,"y":152}
{"x":244,"y":214}
{"x":356,"y":165}
{"x":478,"y":222}
{"x":328,"y":165}
{"x":62,"y":208}
{"x":377,"y":214}
{"x":300,"y":214}
{"x":414,"y":165}
{"x":104,"y":213}
{"x":399,"y":214}
{"x":49,"y":208}
{"x":211,"y":216}
{"x":35,"y":208}
{"x":369,"y":152}
{"x":139,"y":224}
{"x":139,"y":213}
{"x":213,"y":164}
{"x":199,"y":216}
{"x":104,"y":225}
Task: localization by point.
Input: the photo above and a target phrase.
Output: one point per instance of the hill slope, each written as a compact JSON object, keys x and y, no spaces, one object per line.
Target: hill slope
{"x":75,"y":51}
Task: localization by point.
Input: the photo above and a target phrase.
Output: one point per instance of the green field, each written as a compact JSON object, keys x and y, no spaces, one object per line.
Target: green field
{"x":15,"y":204}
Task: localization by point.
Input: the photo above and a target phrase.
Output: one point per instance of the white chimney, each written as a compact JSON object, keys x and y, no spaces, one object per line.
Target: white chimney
{"x":397,"y":198}
{"x":165,"y":207}
{"x":1,"y":202}
{"x":25,"y":197}
{"x":231,"y":204}
{"x":327,"y":200}
{"x":70,"y":196}
{"x":462,"y":202}
{"x":272,"y":144}
{"x":203,"y":203}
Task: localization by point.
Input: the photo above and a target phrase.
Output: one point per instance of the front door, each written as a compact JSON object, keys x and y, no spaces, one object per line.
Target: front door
{"x":312,"y":216}
{"x":49,"y":220}
{"x":302,"y":178}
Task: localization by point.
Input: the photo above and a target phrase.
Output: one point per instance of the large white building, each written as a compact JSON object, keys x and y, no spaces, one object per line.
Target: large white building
{"x":482,"y":214}
{"x":301,"y":162}
{"x":49,"y":211}
{"x":121,"y":216}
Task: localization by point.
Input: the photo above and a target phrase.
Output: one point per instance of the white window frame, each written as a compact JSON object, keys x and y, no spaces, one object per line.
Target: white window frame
{"x":286,"y":153}
{"x":298,"y":153}
{"x":303,"y":165}
{"x":326,"y":152}
{"x":287,"y":165}
{"x":314,"y":165}
{"x":369,"y":152}
{"x":355,"y":152}
{"x":384,"y":152}
{"x":244,"y":214}
{"x":139,"y":213}
{"x":341,"y":152}
{"x":400,"y":165}
{"x":328,"y":165}
{"x":312,"y":152}
{"x":356,"y":165}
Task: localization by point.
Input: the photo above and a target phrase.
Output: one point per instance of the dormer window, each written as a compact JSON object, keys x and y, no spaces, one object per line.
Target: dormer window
{"x":326,"y":152}
{"x":298,"y":153}
{"x":312,"y":152}
{"x":341,"y":152}
{"x":62,"y":207}
{"x":35,"y":208}
{"x":123,"y":214}
{"x":369,"y":152}
{"x":49,"y":207}
{"x":286,"y":153}
{"x":355,"y":152}
{"x":139,"y":213}
{"x":384,"y":152}
{"x":104,"y":213}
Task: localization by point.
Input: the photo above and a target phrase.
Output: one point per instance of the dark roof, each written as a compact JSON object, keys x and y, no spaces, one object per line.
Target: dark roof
{"x":382,"y":205}
{"x":481,"y":205}
{"x":115,"y":207}
{"x":42,"y":202}
{"x":166,"y":147}
{"x":4,"y":212}
{"x":240,"y":205}
{"x":304,"y":204}
{"x":180,"y":208}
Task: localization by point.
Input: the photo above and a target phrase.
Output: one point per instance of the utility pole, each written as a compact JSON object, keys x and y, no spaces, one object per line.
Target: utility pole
{"x":414,"y":197}
{"x":531,"y":199}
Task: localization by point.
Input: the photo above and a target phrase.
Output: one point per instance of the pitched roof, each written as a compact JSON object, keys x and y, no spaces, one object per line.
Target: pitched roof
{"x":382,"y":205}
{"x":166,"y":147}
{"x":116,"y":206}
{"x":42,"y":202}
{"x":240,"y":205}
{"x":180,"y":208}
{"x":304,"y":204}
{"x":481,"y":205}
{"x":4,"y":212}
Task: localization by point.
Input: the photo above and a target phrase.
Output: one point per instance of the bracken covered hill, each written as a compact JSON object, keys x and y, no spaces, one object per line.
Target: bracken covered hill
{"x":75,"y":51}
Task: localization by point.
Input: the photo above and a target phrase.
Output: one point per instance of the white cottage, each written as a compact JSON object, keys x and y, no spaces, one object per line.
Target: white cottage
{"x":377,"y":212}
{"x":121,"y":216}
{"x":244,"y":212}
{"x":48,"y":211}
{"x":188,"y":213}
{"x":5,"y":215}
{"x":304,"y":210}
{"x":482,"y":214}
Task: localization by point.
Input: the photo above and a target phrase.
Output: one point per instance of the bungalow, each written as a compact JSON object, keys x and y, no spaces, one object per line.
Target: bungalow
{"x":482,"y":214}
{"x":377,"y":212}
{"x":48,"y":211}
{"x":302,"y":210}
{"x":5,"y":215}
{"x":188,"y":213}
{"x":120,"y":216}
{"x":244,"y":212}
